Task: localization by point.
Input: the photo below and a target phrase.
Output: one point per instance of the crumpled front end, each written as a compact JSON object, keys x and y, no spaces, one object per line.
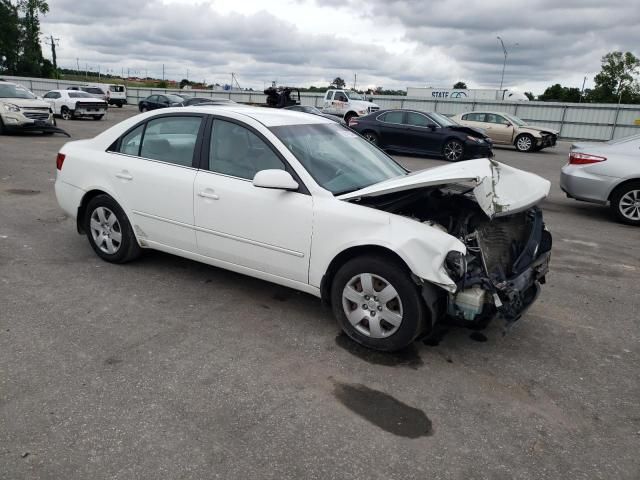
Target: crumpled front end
{"x":506,"y":262}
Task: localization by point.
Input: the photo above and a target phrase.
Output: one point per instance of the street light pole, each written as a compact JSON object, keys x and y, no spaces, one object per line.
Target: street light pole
{"x":504,"y":64}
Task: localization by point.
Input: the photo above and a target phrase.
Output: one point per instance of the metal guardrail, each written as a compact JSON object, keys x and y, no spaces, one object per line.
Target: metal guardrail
{"x":582,"y":121}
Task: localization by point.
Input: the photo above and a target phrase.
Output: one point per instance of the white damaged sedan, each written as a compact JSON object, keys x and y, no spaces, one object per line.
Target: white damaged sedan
{"x":304,"y":202}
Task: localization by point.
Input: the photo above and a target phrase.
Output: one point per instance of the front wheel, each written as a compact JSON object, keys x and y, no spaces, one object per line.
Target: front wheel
{"x":109,"y":231}
{"x":525,"y":143}
{"x":453,"y":150}
{"x":625,"y":203}
{"x":377,"y":304}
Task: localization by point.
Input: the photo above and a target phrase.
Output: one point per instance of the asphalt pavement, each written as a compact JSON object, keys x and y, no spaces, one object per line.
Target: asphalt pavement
{"x":167,"y":368}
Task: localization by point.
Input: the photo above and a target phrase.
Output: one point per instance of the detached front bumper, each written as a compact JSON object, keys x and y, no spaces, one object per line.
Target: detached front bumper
{"x":547,"y":141}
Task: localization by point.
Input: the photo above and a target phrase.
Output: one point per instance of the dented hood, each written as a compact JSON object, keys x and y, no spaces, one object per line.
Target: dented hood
{"x":499,"y":189}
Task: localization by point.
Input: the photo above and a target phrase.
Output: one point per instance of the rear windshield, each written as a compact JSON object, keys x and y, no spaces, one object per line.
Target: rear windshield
{"x":79,"y":95}
{"x":95,"y":90}
{"x":116,"y":88}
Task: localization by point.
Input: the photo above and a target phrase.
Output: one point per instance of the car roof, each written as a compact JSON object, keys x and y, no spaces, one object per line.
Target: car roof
{"x":269,"y":117}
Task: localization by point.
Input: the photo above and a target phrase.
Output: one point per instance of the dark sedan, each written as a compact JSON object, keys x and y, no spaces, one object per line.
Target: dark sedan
{"x":152,"y":102}
{"x":315,"y":111}
{"x":410,"y":131}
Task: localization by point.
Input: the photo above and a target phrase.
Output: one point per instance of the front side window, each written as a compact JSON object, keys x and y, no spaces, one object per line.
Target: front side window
{"x":238,"y":152}
{"x":171,"y":139}
{"x":474,"y":117}
{"x":338,"y":159}
{"x":52,"y":95}
{"x":418,"y":120}
{"x":493,"y":118}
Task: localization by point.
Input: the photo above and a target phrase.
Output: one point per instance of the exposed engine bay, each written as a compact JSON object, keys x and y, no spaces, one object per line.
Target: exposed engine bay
{"x":507,"y":257}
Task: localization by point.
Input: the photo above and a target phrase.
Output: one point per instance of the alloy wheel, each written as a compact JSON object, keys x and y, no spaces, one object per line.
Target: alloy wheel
{"x":371,"y":137}
{"x":66,"y":114}
{"x":106,"y":230}
{"x":372,"y":305}
{"x":453,"y":151}
{"x":524,"y":143}
{"x":629,"y":205}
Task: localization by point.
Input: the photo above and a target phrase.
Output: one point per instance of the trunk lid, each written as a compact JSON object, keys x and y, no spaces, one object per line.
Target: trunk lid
{"x":498,"y":188}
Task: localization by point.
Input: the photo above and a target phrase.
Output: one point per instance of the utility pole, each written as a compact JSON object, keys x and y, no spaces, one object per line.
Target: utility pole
{"x":78,"y":64}
{"x":504,"y":64}
{"x":163,"y":72}
{"x":355,"y":80}
{"x":584,"y":80}
{"x":53,"y":42}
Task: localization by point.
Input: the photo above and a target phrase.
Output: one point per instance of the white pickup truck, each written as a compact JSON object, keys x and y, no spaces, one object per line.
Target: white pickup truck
{"x":347,"y":104}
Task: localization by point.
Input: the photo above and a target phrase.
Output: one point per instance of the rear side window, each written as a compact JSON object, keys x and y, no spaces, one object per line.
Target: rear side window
{"x":474,"y":117}
{"x":94,"y":90}
{"x":392,"y":117}
{"x":171,"y":139}
{"x":130,"y":143}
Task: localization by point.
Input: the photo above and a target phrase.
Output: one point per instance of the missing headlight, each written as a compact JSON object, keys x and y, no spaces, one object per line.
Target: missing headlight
{"x":455,"y":264}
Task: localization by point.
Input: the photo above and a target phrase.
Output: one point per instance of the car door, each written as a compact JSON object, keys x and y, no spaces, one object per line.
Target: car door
{"x":423,"y":134}
{"x":393,"y":131}
{"x":237,"y":223}
{"x":152,"y":173}
{"x":52,"y":98}
{"x":327,"y":106}
{"x":499,"y":128}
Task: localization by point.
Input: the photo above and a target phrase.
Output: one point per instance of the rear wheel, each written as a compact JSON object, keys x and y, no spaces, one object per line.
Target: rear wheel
{"x":97,"y":117}
{"x":65,"y":113}
{"x":109,"y":231}
{"x":372,"y":137}
{"x":525,"y":143}
{"x":119,"y":105}
{"x":143,"y":109}
{"x":377,"y":304}
{"x":625,"y":203}
{"x":3,"y":130}
{"x":453,"y":150}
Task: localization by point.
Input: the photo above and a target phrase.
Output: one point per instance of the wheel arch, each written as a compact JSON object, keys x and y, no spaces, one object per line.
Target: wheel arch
{"x":621,"y":184}
{"x":348,"y":254}
{"x":350,"y":113}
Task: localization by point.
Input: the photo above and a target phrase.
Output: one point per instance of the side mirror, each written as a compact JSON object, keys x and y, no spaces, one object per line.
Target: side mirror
{"x":276,"y":179}
{"x":432,"y":127}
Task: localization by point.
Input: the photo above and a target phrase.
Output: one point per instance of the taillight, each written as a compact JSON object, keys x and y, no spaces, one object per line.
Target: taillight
{"x":60,"y":161}
{"x":584,"y":158}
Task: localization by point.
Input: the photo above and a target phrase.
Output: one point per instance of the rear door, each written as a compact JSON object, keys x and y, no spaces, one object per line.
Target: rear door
{"x":393,"y":131}
{"x":259,"y":229}
{"x":153,"y":170}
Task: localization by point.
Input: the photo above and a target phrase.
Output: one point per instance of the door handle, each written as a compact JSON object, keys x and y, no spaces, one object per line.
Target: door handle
{"x":124,"y":175}
{"x":206,"y":194}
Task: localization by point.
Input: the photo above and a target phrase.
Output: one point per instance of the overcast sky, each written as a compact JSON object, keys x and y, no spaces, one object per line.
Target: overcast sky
{"x":389,"y":43}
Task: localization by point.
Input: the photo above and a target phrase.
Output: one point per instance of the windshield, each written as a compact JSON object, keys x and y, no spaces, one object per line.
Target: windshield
{"x":337,"y":158}
{"x":176,"y":98}
{"x":516,"y":120}
{"x":354,"y":96}
{"x":442,"y":120}
{"x":15,"y":91}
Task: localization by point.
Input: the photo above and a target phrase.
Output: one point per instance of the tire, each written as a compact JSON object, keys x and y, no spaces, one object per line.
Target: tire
{"x":625,"y":203}
{"x":119,"y":105}
{"x":348,"y":116}
{"x":453,"y":150}
{"x":525,"y":143}
{"x":372,"y":137}
{"x":3,"y":129}
{"x":143,"y":109}
{"x":370,"y":321}
{"x":97,"y":117}
{"x":66,"y":114}
{"x":101,"y":210}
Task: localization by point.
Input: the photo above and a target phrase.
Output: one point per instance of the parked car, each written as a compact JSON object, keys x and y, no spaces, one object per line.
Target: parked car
{"x":206,"y":101}
{"x":303,"y":202}
{"x":315,"y":111}
{"x":74,"y":104}
{"x":606,"y":173}
{"x":165,"y":100}
{"x":507,"y":129}
{"x":96,"y":91}
{"x":22,"y":110}
{"x":409,"y":131}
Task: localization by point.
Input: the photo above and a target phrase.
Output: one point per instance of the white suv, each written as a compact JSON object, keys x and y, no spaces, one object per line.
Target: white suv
{"x":22,"y":110}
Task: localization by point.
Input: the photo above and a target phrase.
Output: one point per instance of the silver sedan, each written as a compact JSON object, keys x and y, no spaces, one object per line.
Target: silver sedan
{"x":607,"y":173}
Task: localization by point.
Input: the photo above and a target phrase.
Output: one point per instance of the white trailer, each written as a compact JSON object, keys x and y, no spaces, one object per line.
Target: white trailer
{"x":464,"y":94}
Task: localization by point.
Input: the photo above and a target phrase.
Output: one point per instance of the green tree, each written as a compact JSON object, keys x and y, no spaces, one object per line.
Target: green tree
{"x":9,"y":37}
{"x":616,"y":80}
{"x":460,"y":85}
{"x":529,"y":95}
{"x":31,"y":60}
{"x":338,"y":82}
{"x":558,"y":93}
